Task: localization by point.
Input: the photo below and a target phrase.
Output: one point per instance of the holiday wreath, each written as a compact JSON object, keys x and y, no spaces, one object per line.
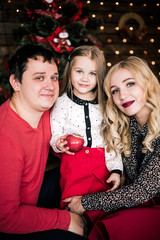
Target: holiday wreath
{"x":132,"y":34}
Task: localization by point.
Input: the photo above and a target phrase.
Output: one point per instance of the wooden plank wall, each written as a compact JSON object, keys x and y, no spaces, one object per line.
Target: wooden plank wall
{"x":109,"y":13}
{"x":112,"y":40}
{"x":8,"y":22}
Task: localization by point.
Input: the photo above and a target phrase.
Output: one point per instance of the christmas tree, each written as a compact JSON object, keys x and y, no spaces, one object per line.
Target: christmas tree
{"x":61,"y":25}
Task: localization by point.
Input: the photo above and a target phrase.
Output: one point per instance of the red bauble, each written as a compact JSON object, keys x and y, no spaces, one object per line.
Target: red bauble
{"x":74,"y":142}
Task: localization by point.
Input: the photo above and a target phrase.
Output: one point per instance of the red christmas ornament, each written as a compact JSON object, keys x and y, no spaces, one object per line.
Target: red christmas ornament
{"x":59,"y":40}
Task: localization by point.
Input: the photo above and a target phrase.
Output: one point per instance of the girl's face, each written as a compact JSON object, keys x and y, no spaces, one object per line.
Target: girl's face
{"x":128,"y":95}
{"x":83,"y":77}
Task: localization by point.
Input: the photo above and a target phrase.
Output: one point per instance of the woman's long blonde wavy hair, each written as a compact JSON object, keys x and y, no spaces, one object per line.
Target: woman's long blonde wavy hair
{"x":115,"y":127}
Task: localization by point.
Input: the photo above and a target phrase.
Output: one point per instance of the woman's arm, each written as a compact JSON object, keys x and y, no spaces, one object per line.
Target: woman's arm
{"x":144,"y":188}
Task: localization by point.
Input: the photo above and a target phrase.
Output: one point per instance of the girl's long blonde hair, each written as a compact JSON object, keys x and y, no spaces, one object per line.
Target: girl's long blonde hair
{"x":115,"y":127}
{"x":94,"y":54}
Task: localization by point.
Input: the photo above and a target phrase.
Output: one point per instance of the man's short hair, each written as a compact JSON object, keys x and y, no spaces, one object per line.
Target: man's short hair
{"x":18,"y":62}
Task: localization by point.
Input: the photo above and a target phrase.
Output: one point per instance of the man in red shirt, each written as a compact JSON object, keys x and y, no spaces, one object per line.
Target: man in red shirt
{"x":24,"y":147}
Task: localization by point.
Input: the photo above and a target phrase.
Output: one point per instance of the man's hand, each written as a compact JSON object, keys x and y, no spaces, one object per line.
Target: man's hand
{"x":74,"y":204}
{"x":76,"y":224}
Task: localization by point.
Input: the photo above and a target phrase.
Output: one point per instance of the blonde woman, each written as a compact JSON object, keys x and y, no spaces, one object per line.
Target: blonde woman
{"x":131,"y":124}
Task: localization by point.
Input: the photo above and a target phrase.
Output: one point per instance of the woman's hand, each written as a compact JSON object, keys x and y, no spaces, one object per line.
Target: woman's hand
{"x":61,"y":145}
{"x":74,"y":204}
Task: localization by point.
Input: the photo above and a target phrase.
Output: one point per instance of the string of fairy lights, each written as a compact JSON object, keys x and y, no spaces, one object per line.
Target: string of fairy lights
{"x":130,"y":28}
{"x":130,"y":4}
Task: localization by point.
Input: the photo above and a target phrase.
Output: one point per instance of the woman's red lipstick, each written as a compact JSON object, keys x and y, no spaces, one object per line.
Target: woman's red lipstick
{"x":127,"y":104}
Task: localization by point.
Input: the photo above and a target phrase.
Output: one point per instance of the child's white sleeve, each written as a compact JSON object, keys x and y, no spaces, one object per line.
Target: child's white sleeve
{"x":57,"y":121}
{"x":113,"y":161}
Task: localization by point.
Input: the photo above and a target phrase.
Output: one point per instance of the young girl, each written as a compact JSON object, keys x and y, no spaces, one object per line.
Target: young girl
{"x":132,"y":124}
{"x":77,"y":111}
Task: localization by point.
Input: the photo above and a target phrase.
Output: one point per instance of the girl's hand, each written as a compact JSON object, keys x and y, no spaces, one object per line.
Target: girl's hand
{"x":61,"y":145}
{"x":115,"y":180}
{"x":74,"y":204}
